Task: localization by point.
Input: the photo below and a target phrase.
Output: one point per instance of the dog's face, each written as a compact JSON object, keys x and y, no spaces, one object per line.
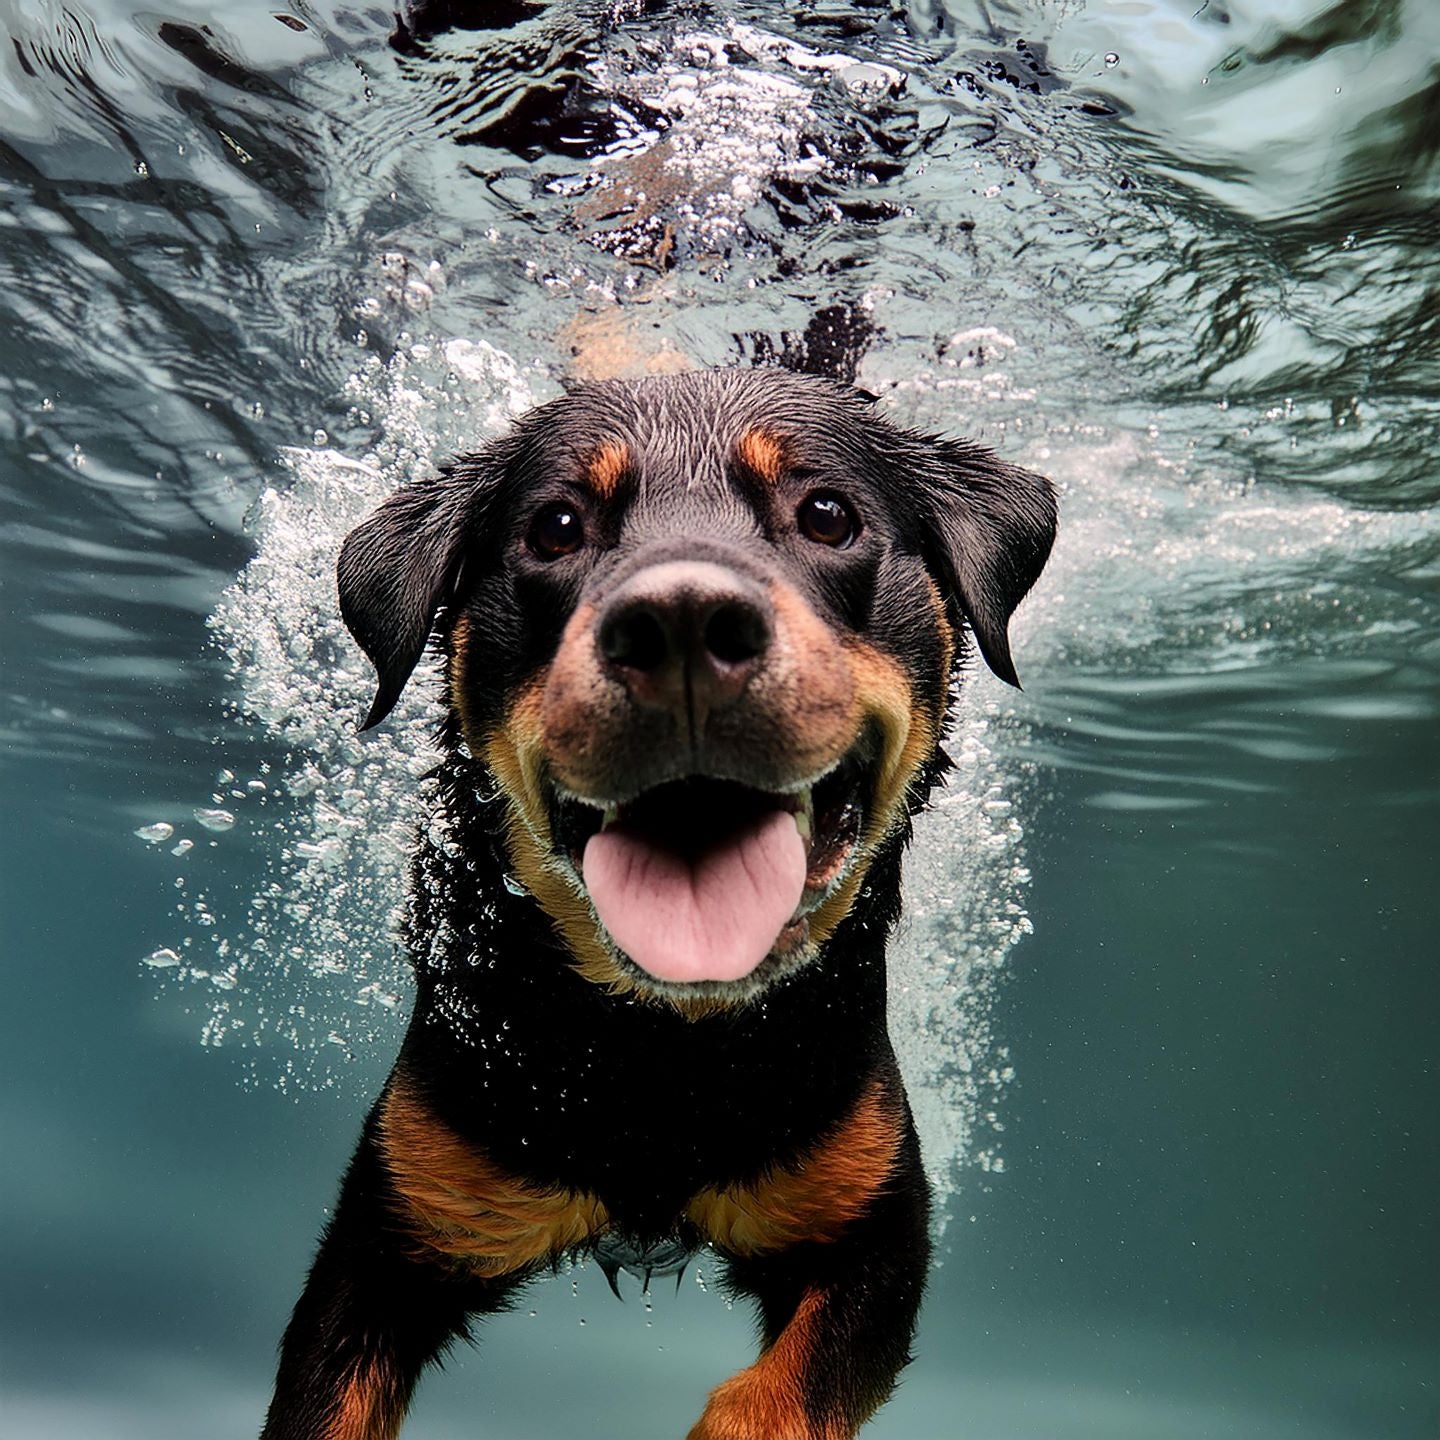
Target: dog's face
{"x":701,"y":630}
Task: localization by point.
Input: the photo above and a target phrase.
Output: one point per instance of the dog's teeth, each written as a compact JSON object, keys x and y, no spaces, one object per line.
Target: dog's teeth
{"x":608,"y":816}
{"x":805,"y":816}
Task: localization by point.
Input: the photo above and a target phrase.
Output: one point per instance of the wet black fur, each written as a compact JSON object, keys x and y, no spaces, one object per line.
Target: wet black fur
{"x":551,"y":1076}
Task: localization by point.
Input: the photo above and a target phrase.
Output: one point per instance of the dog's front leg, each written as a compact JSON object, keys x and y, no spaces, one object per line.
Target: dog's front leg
{"x":836,"y":1254}
{"x":373,"y":1314}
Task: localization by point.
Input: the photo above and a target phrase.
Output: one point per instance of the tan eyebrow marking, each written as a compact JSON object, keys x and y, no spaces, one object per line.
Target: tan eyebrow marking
{"x":605,"y":467}
{"x":764,"y":453}
{"x":815,"y":1200}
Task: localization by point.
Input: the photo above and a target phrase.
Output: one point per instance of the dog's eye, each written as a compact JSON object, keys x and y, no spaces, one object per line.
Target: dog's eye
{"x":556,"y":530}
{"x":827,"y":520}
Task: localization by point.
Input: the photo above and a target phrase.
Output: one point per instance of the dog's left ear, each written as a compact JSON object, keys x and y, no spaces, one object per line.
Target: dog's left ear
{"x":398,"y":568}
{"x":991,"y":528}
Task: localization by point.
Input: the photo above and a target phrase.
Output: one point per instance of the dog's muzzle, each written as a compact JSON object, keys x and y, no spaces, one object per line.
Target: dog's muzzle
{"x":692,"y":710}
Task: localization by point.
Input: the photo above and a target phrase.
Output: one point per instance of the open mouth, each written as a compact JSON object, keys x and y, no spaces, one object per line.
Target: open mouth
{"x":700,"y":880}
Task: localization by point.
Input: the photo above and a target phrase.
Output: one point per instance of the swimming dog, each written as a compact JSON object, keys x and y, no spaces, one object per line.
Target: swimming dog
{"x":700,"y":637}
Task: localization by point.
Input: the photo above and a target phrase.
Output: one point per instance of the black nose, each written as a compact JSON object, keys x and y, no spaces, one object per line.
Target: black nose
{"x":685,"y":636}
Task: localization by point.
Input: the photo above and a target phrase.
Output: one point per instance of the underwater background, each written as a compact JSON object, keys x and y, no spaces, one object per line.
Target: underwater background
{"x":1166,"y":995}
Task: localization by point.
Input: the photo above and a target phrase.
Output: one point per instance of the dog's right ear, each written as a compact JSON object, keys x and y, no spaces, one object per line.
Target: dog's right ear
{"x":398,"y":568}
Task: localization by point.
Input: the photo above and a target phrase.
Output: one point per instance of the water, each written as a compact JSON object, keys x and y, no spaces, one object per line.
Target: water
{"x":1179,"y":256}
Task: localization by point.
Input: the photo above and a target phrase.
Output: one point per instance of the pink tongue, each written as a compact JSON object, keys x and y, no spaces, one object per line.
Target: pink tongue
{"x":714,"y":918}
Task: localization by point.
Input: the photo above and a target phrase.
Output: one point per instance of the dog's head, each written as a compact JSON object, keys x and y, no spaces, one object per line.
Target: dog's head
{"x":702,"y":630}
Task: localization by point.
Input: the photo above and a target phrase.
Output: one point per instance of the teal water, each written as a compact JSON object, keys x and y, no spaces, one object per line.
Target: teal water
{"x":1167,"y":996}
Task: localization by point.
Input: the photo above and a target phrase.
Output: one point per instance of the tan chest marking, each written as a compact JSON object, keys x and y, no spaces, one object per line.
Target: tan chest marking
{"x":463,"y":1205}
{"x":815,"y":1200}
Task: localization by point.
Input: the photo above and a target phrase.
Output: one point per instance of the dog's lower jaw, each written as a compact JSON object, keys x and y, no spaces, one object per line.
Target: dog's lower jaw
{"x":602,"y":963}
{"x":558,"y":891}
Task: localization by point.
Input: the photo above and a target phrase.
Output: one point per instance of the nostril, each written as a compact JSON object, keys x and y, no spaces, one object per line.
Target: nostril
{"x":736,"y":632}
{"x":635,"y":637}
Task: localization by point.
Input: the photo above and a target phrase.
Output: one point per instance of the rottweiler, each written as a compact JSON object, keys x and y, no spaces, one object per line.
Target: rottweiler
{"x":701,"y":634}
